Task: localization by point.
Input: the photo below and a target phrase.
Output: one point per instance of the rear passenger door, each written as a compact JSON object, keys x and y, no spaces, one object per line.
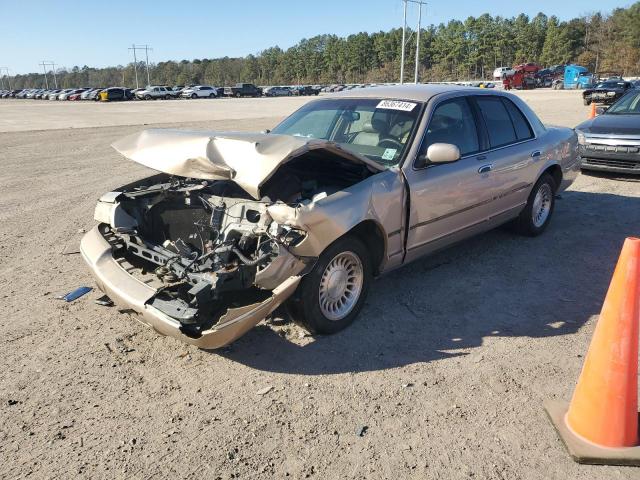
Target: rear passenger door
{"x":511,"y":152}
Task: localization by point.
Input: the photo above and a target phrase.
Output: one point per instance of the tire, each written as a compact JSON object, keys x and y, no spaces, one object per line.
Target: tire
{"x":238,"y":95}
{"x":147,"y":97}
{"x":194,"y":96}
{"x":532,"y":225}
{"x":305,"y":305}
{"x":212,"y":95}
{"x":167,"y":97}
{"x":586,"y":101}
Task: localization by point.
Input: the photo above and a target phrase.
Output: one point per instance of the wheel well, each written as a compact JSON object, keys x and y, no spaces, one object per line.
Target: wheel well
{"x":370,"y":233}
{"x":556,"y":173}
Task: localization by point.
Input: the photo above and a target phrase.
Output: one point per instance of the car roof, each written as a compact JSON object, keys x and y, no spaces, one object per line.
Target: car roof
{"x":418,"y":93}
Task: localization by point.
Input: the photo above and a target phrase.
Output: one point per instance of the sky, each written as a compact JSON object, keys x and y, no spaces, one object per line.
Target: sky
{"x":98,"y":34}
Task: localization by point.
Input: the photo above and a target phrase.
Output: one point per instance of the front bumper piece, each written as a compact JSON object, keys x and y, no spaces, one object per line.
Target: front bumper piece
{"x":129,"y":293}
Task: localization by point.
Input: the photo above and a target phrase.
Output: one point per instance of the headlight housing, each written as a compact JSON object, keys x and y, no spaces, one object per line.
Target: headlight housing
{"x":581,"y":137}
{"x":611,"y":94}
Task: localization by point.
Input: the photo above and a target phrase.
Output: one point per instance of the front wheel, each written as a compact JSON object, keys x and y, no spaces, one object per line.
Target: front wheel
{"x":212,"y":95}
{"x":193,"y":95}
{"x":536,"y":215}
{"x":330,"y":297}
{"x":586,"y":101}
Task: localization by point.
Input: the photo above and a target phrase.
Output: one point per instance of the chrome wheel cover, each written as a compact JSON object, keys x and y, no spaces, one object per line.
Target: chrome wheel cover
{"x":542,"y":205}
{"x":340,"y":286}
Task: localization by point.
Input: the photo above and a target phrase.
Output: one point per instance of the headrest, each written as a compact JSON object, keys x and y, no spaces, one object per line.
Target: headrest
{"x":368,"y":128}
{"x":380,"y":122}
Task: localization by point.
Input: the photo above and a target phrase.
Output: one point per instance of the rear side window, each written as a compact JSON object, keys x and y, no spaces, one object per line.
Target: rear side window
{"x":499,"y":126}
{"x":520,"y":123}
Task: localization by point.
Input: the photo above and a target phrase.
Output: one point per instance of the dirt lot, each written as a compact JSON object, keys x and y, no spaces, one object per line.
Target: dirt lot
{"x":442,"y":377}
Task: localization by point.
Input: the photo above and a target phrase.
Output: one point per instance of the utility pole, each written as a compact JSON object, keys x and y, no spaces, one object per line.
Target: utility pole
{"x":404,"y":28}
{"x":146,"y":49}
{"x":404,"y":34}
{"x":46,"y":81}
{"x":49,"y":63}
{"x":8,"y":76}
{"x":55,"y":78}
{"x":415,"y":79}
{"x":135,"y":63}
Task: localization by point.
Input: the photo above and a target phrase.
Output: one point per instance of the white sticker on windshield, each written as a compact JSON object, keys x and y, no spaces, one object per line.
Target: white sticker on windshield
{"x":396,"y":105}
{"x":389,"y":153}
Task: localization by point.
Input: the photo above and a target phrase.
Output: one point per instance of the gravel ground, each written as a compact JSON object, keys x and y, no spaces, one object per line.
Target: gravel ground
{"x":442,"y":376}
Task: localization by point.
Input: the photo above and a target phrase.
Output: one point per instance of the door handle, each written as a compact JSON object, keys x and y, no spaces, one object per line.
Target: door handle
{"x":485,"y":168}
{"x":535,"y":154}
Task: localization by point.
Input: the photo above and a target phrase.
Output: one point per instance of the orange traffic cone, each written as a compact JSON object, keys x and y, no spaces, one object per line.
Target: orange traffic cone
{"x":592,"y":113}
{"x":600,"y":426}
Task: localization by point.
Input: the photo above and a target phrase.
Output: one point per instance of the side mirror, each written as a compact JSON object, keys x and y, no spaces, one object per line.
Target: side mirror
{"x":266,"y":131}
{"x":600,"y":110}
{"x":442,"y":153}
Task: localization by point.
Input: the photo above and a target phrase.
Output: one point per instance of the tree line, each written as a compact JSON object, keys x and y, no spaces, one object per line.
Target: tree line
{"x":457,"y":50}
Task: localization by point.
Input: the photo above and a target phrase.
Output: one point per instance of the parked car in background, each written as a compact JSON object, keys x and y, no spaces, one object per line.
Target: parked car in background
{"x":199,"y":91}
{"x":277,"y":92}
{"x":305,"y":90}
{"x":65,"y":96}
{"x":115,"y":94}
{"x":243,"y":90}
{"x":90,"y":93}
{"x":154,"y":92}
{"x":346,"y":188}
{"x":611,"y":141}
{"x":606,"y":92}
{"x":500,"y":72}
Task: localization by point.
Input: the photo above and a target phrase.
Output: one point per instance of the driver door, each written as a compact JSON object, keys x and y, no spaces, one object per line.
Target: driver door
{"x":451,"y":201}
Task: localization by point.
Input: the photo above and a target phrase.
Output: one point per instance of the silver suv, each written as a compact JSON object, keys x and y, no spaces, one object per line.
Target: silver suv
{"x":154,"y":92}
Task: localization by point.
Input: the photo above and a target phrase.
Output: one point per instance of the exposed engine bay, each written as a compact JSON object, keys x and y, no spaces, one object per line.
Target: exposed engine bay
{"x":209,"y":244}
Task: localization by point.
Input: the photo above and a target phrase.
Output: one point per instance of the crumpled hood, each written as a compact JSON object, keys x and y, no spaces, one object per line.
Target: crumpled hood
{"x":249,"y":159}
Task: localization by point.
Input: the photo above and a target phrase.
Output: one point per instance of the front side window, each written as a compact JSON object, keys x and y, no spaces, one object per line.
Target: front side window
{"x":453,"y":122}
{"x":379,"y":129}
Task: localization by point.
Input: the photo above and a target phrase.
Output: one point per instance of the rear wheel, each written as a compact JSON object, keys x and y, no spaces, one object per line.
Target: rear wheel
{"x":536,"y":215}
{"x":330,"y":297}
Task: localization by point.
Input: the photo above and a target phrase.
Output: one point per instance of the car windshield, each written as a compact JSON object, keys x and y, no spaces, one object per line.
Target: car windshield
{"x":629,"y":104}
{"x":378,"y":129}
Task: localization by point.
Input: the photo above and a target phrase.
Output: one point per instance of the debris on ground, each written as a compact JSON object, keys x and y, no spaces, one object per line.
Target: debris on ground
{"x":265,"y":390}
{"x":104,"y":300}
{"x":361,"y":430}
{"x":74,"y":294}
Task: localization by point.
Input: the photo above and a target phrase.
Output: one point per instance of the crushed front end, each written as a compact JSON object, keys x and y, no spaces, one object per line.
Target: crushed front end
{"x":196,"y":259}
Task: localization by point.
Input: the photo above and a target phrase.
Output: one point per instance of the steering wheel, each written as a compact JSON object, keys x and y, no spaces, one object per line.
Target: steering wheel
{"x":389,"y":142}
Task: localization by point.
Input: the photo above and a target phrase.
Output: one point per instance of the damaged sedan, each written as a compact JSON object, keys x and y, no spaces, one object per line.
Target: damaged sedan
{"x":348,"y":187}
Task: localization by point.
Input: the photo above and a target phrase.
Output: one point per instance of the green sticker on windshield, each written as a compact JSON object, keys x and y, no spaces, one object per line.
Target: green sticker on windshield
{"x":389,"y":153}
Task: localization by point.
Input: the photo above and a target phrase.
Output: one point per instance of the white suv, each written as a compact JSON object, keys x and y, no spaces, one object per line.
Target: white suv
{"x":154,"y":92}
{"x":200,"y":91}
{"x":500,"y":72}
